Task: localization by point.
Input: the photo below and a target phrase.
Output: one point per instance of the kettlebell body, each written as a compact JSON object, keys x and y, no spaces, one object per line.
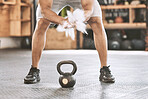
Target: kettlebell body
{"x":127,"y":45}
{"x":67,"y":80}
{"x":138,"y":44}
{"x":114,"y":44}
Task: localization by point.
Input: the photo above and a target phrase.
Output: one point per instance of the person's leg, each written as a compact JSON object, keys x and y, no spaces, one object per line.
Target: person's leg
{"x":101,"y":46}
{"x":99,"y":38}
{"x":38,"y":41}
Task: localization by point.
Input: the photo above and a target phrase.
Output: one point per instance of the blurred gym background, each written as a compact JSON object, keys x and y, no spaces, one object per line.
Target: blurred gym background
{"x":125,"y":22}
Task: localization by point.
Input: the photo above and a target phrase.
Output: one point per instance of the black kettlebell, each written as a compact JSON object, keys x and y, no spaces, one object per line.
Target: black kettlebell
{"x":114,"y":44}
{"x":126,"y":45}
{"x":138,"y":44}
{"x":26,"y":43}
{"x":66,"y":79}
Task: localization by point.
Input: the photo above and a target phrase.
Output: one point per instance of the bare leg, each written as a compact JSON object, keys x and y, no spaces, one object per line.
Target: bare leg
{"x":99,"y":38}
{"x":38,"y":41}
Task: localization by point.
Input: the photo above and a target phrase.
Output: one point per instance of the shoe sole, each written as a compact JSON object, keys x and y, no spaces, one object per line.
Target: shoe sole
{"x":107,"y":81}
{"x":31,"y":82}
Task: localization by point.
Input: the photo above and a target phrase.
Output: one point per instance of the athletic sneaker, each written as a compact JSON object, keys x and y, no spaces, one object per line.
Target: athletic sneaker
{"x":33,"y":76}
{"x":105,"y":75}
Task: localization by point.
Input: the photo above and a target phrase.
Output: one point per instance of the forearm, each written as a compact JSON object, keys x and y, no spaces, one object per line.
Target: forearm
{"x":52,"y":16}
{"x":48,"y":14}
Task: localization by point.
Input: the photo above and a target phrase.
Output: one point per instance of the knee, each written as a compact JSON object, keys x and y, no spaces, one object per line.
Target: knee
{"x":97,"y":25}
{"x":42,"y":24}
{"x":95,"y":20}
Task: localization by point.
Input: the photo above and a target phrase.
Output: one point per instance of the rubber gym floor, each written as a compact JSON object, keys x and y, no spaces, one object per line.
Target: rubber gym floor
{"x":130,"y":69}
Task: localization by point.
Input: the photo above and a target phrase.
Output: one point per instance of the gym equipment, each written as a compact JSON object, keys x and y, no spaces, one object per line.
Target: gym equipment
{"x":135,"y":2}
{"x":119,"y":2}
{"x":106,"y":2}
{"x":115,"y":40}
{"x":116,"y":35}
{"x":26,"y":43}
{"x":66,"y":79}
{"x":126,"y":45}
{"x":126,"y":2}
{"x":142,"y":34}
{"x":114,"y":45}
{"x":102,"y":2}
{"x":138,"y":44}
{"x":89,"y":43}
{"x":118,"y":20}
{"x":143,"y":1}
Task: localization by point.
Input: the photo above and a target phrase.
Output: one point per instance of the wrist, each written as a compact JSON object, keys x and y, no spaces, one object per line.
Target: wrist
{"x":62,"y":21}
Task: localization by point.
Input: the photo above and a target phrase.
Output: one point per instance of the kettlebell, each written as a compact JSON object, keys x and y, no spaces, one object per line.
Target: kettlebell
{"x":66,"y":79}
{"x":138,"y":44}
{"x":114,"y":45}
{"x":126,"y":45}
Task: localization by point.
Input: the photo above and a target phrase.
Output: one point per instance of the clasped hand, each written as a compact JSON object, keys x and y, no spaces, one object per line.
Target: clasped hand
{"x":75,"y":19}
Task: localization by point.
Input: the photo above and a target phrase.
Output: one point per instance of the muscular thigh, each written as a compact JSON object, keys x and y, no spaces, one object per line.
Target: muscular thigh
{"x":96,"y":20}
{"x":42,"y":24}
{"x":96,"y":7}
{"x":96,"y":10}
{"x":96,"y":24}
{"x":75,"y":4}
{"x":59,"y":4}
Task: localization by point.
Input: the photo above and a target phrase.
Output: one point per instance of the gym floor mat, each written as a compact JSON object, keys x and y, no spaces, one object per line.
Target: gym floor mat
{"x":130,"y":69}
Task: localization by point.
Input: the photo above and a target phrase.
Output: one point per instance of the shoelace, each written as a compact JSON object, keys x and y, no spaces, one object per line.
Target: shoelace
{"x":108,"y":70}
{"x":32,"y":70}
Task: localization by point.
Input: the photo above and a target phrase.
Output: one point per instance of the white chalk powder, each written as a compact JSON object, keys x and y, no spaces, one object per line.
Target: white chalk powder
{"x":77,"y":18}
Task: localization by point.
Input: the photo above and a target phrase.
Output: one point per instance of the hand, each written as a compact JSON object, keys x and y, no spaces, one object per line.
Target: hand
{"x":66,"y":24}
{"x":68,"y":28}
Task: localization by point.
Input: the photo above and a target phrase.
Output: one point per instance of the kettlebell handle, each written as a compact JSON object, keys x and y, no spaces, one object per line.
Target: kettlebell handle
{"x":66,"y":62}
